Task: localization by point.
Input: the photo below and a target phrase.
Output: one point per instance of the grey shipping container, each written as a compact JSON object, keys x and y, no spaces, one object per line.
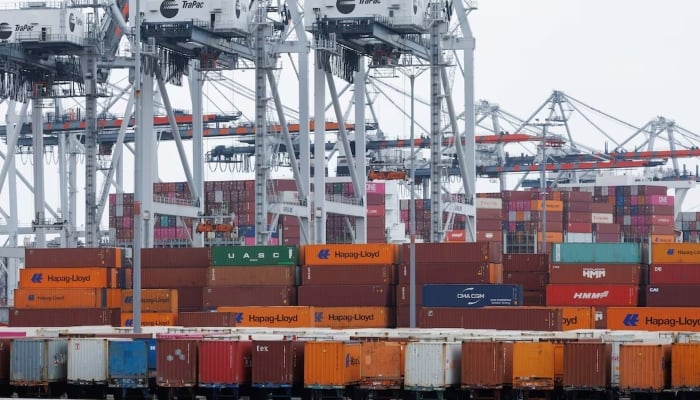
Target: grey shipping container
{"x":127,"y":365}
{"x":38,"y":361}
{"x":466,"y":295}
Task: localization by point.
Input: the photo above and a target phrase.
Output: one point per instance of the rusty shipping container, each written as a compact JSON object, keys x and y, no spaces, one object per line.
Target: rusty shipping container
{"x":507,"y":318}
{"x":382,"y":364}
{"x":522,"y":262}
{"x":533,"y":365}
{"x":495,"y":365}
{"x":349,"y":275}
{"x":645,"y":366}
{"x":453,"y":272}
{"x":277,"y":363}
{"x":674,"y":274}
{"x":603,"y":274}
{"x":685,"y":370}
{"x":60,"y":298}
{"x":346,"y":295}
{"x":270,"y":316}
{"x":354,"y":317}
{"x":592,"y":295}
{"x":164,"y":257}
{"x":213,"y":297}
{"x":96,"y":278}
{"x":58,"y":317}
{"x":73,"y":258}
{"x":671,"y":296}
{"x":152,"y":300}
{"x":331,"y":364}
{"x":462,"y":252}
{"x":528,"y":280}
{"x":248,"y":276}
{"x":158,"y":278}
{"x":587,"y":365}
{"x":176,"y":362}
{"x":224,"y":362}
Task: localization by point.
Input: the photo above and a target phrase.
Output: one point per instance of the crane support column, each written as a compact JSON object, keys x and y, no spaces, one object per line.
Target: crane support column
{"x":196,"y":81}
{"x":91,"y":223}
{"x":360,"y":150}
{"x":319,"y":152}
{"x":262,"y":149}
{"x":435,"y":129}
{"x":38,"y":148}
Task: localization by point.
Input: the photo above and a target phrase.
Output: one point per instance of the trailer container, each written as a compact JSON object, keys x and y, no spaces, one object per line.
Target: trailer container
{"x":459,"y":295}
{"x":495,"y":364}
{"x":587,"y":366}
{"x":128,"y":363}
{"x":38,"y":361}
{"x":250,"y":256}
{"x":432,"y":365}
{"x":176,"y":362}
{"x":382,"y":364}
{"x":597,"y":253}
{"x":645,"y":366}
{"x":87,"y":361}
{"x":685,"y":370}
{"x":277,"y":363}
{"x":331,"y":364}
{"x":533,"y":365}
{"x":224,"y":362}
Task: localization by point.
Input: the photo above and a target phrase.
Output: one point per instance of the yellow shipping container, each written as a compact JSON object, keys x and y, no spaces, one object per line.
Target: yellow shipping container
{"x":354,"y":317}
{"x":152,"y":300}
{"x":533,"y":365}
{"x":272,"y":316}
{"x":675,"y":253}
{"x":150,"y":319}
{"x":331,"y":364}
{"x":60,"y":298}
{"x":98,"y":277}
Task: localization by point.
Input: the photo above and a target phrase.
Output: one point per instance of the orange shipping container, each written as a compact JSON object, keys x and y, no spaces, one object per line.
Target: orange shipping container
{"x":114,"y":298}
{"x":685,"y":370}
{"x":96,"y":278}
{"x":578,"y":318}
{"x":354,"y":317}
{"x":663,"y":238}
{"x":271,"y":316}
{"x":150,"y":319}
{"x":552,"y":237}
{"x":533,"y":365}
{"x":152,"y":300}
{"x":550,"y":205}
{"x":675,"y":253}
{"x":645,"y":366}
{"x":653,"y":318}
{"x":350,"y":254}
{"x":382,"y":364}
{"x":60,"y":298}
{"x":331,"y":364}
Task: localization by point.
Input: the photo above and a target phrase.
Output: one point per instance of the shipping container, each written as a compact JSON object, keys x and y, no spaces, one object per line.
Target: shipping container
{"x":56,"y":317}
{"x":127,"y":365}
{"x":462,"y":295}
{"x":675,"y":253}
{"x":664,"y":274}
{"x":433,"y":253}
{"x":592,"y":295}
{"x":578,"y":318}
{"x":250,"y":256}
{"x":604,"y":274}
{"x":506,"y":318}
{"x":213,"y":297}
{"x":152,"y":300}
{"x":87,"y":361}
{"x":224,"y":363}
{"x":158,"y":278}
{"x":453,"y":272}
{"x":5,"y":345}
{"x":494,"y":364}
{"x":645,"y":366}
{"x":382,"y":364}
{"x":535,"y":297}
{"x":350,"y":254}
{"x":346,"y":295}
{"x":150,"y":319}
{"x":685,"y":370}
{"x":60,"y":298}
{"x":176,"y":362}
{"x":96,"y":278}
{"x":164,"y":257}
{"x":529,"y":280}
{"x":277,"y":363}
{"x":269,"y":316}
{"x":331,"y":364}
{"x":38,"y":361}
{"x":73,"y":258}
{"x":671,"y":296}
{"x":353,"y":317}
{"x":349,"y":275}
{"x":194,"y":319}
{"x":432,"y":365}
{"x":247,"y":276}
{"x":522,"y":262}
{"x":587,"y":365}
{"x":597,"y":253}
{"x":533,"y":365}
{"x":654,"y":318}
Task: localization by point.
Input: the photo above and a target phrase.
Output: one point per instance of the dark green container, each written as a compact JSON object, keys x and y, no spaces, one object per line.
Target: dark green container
{"x":251,"y":256}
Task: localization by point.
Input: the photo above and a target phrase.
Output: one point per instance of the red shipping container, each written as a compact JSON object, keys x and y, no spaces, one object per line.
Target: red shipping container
{"x":73,"y":258}
{"x":578,"y":217}
{"x":349,"y":275}
{"x":527,"y":279}
{"x":164,"y":257}
{"x":213,"y":297}
{"x":346,"y":295}
{"x":579,"y":227}
{"x":158,"y":278}
{"x":506,"y":318}
{"x":607,"y":238}
{"x":456,"y":252}
{"x":605,"y":274}
{"x":224,"y":363}
{"x":680,"y":274}
{"x":534,"y":298}
{"x":176,"y":363}
{"x":601,"y":207}
{"x":453,"y":272}
{"x":277,"y":363}
{"x":592,"y":295}
{"x":525,"y":262}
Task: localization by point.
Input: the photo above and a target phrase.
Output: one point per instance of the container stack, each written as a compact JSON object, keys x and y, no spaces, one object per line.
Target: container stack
{"x":169,"y":228}
{"x":489,"y":218}
{"x":578,"y":222}
{"x":121,"y":217}
{"x":349,"y":286}
{"x":531,"y":271}
{"x":66,"y":287}
{"x":689,"y":225}
{"x":524,"y":222}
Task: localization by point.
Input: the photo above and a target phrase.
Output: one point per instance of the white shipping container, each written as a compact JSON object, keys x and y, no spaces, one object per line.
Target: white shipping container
{"x":601,"y":218}
{"x":577,"y":237}
{"x":42,"y":23}
{"x":397,"y":12}
{"x":87,"y":360}
{"x":491,"y":204}
{"x":432,"y":365}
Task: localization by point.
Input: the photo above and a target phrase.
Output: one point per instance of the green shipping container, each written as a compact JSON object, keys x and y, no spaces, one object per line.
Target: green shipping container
{"x":602,"y":253}
{"x":250,"y":256}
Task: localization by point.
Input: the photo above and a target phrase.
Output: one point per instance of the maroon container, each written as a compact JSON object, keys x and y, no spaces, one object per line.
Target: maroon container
{"x":506,"y":318}
{"x":176,"y":362}
{"x":158,"y":278}
{"x":189,"y":298}
{"x":54,"y":317}
{"x":596,"y":274}
{"x":578,"y":207}
{"x":671,"y":296}
{"x":454,"y":252}
{"x":162,"y":257}
{"x":582,"y":217}
{"x":68,"y":258}
{"x":488,"y":224}
{"x":223,"y":363}
{"x":576,"y":197}
{"x":347,"y":295}
{"x":349,"y":275}
{"x":611,"y":229}
{"x":277,"y":363}
{"x":592,"y":295}
{"x":220,"y":296}
{"x":495,"y":365}
{"x":587,"y":365}
{"x":403,"y":298}
{"x":453,"y":272}
{"x":534,"y":298}
{"x":528,"y":280}
{"x":661,"y":274}
{"x":249,"y":276}
{"x":525,"y":262}
{"x":5,"y":359}
{"x":602,"y":207}
{"x":601,"y":320}
{"x":490,"y":214}
{"x":204,"y":318}
{"x":607,"y":238}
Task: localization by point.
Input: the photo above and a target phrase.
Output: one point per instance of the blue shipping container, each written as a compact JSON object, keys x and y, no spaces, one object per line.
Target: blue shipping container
{"x":466,"y":295}
{"x":127,"y":365}
{"x":601,"y":253}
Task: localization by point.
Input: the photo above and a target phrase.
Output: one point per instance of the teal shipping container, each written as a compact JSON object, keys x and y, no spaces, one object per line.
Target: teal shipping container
{"x":251,"y":256}
{"x":601,"y":253}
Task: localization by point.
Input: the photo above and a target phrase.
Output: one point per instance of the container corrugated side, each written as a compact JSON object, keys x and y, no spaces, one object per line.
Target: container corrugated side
{"x":331,"y":364}
{"x":382,"y":364}
{"x":578,"y":318}
{"x":277,"y":363}
{"x":509,"y":318}
{"x":603,"y":253}
{"x":350,"y":254}
{"x":587,"y":365}
{"x":224,"y":363}
{"x":353,"y":317}
{"x":176,"y":362}
{"x":87,"y":361}
{"x":38,"y":361}
{"x":250,"y":256}
{"x":494,"y":369}
{"x":645,"y":366}
{"x":127,"y":364}
{"x":675,"y":253}
{"x":68,"y":278}
{"x":269,"y":316}
{"x":432,"y":365}
{"x":685,"y":369}
{"x":36,"y":298}
{"x":152,"y":300}
{"x":533,"y":365}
